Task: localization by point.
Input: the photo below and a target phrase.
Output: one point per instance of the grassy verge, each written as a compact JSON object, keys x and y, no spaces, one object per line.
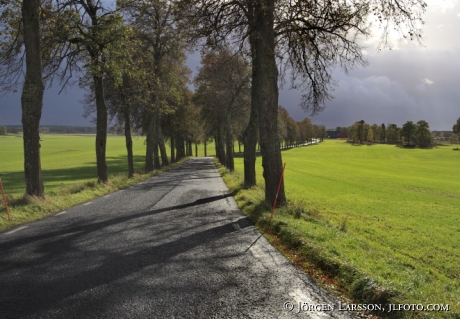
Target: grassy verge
{"x":28,"y":209}
{"x":328,"y":252}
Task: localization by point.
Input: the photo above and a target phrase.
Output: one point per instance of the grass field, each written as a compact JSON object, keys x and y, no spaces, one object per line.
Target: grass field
{"x":69,"y":172}
{"x":67,"y":159}
{"x":391,"y":214}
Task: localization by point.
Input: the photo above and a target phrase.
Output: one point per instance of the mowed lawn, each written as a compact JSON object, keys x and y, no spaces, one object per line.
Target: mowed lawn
{"x":399,"y":208}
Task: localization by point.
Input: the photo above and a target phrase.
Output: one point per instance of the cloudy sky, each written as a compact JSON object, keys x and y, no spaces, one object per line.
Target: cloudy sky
{"x":411,"y":82}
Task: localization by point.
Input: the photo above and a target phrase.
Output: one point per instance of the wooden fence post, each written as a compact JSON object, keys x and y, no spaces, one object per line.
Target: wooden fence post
{"x":4,"y":200}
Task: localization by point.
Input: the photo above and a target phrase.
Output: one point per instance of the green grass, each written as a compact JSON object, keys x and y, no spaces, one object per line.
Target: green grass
{"x":377,"y":217}
{"x":67,"y":159}
{"x":69,"y":173}
{"x":384,"y":221}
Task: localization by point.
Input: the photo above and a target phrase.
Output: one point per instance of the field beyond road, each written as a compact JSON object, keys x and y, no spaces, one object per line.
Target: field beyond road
{"x":68,"y":159}
{"x":69,"y":172}
{"x":391,"y":213}
{"x":65,"y":160}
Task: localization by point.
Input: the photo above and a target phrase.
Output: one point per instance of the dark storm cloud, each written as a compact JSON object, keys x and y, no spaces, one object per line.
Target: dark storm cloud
{"x":394,"y":88}
{"x":58,"y":109}
{"x":65,"y":108}
{"x":409,"y":83}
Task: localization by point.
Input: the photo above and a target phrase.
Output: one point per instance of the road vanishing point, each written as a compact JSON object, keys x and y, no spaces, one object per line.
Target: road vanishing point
{"x":174,"y":246}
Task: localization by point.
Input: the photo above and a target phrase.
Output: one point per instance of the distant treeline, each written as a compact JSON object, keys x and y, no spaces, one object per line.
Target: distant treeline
{"x":68,"y":129}
{"x":10,"y":129}
{"x":62,"y":129}
{"x":15,"y":129}
{"x":443,"y":134}
{"x":409,"y":134}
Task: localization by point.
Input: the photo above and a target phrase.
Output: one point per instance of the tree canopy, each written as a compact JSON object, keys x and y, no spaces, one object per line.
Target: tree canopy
{"x":223,"y":93}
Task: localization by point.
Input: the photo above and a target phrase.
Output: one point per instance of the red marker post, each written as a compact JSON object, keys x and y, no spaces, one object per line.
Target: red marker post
{"x":4,"y":200}
{"x":277,"y":192}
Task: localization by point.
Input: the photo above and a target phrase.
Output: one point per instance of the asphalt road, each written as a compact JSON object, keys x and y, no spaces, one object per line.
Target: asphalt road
{"x":175,"y":246}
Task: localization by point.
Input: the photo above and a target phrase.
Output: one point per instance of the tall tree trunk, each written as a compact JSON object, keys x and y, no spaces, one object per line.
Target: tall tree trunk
{"x":129,"y":141}
{"x":250,"y":142}
{"x":205,"y":150}
{"x":161,"y":143}
{"x":101,"y":129}
{"x":156,"y":155}
{"x":150,"y":146}
{"x":216,"y":143}
{"x":196,"y":149}
{"x":250,"y":135}
{"x":265,"y":86}
{"x":229,"y":157}
{"x":180,"y":147}
{"x":189,"y":148}
{"x":173,"y":156}
{"x":32,"y":99}
{"x":221,"y":144}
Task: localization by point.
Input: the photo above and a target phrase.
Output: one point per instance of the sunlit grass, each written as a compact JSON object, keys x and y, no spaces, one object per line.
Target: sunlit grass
{"x":377,"y":212}
{"x":67,"y":159}
{"x":69,"y":173}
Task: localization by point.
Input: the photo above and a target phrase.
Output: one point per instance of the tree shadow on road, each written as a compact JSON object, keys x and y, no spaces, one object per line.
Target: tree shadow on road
{"x":66,"y":265}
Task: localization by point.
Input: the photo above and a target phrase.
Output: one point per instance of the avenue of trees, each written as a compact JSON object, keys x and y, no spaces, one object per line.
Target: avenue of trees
{"x":130,"y":59}
{"x":292,"y":133}
{"x":223,"y":87}
{"x":409,"y":134}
